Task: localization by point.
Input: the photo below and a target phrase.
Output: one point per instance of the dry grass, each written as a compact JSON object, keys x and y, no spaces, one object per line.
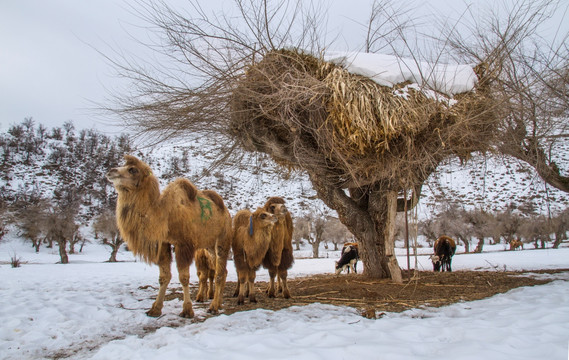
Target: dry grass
{"x":310,"y":114}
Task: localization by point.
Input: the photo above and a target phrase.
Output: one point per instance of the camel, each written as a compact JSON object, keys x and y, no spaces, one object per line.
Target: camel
{"x":182,"y":217}
{"x":516,"y":243}
{"x":251,"y":239}
{"x":279,"y":257}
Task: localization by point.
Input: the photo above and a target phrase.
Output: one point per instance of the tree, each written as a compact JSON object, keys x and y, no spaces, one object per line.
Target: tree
{"x":312,"y":229}
{"x":560,"y":226}
{"x":336,"y":232}
{"x":105,"y":226}
{"x":242,"y":86}
{"x":531,"y":81}
{"x":31,"y":220}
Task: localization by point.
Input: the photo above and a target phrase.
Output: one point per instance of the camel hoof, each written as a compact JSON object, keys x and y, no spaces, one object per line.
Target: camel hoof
{"x":187,"y":314}
{"x":240,"y":300}
{"x":253,"y":300}
{"x":200,"y":298}
{"x":286,"y":295}
{"x":271,"y":295}
{"x":213,"y":311}
{"x":154,"y":312}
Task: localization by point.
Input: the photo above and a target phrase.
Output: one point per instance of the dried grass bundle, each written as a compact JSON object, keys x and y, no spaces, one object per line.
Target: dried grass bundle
{"x":308,"y":113}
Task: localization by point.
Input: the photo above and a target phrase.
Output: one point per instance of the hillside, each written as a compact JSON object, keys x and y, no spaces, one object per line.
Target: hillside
{"x":49,"y":162}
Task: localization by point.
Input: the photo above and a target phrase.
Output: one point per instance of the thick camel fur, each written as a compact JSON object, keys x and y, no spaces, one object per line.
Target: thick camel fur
{"x":194,"y":222}
{"x":280,"y":248}
{"x":251,"y":240}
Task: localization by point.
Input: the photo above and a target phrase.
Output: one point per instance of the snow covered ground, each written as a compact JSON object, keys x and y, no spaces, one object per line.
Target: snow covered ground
{"x":89,"y":309}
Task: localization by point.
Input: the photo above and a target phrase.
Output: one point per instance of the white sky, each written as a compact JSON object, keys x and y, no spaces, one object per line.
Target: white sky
{"x":50,"y":71}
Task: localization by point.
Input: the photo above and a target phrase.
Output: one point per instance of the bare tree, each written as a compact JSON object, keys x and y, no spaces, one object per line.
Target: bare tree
{"x":242,"y":85}
{"x":300,"y":231}
{"x":510,"y":222}
{"x":105,"y":226}
{"x":335,"y":232}
{"x":531,"y":81}
{"x":536,"y":230}
{"x":560,"y":226}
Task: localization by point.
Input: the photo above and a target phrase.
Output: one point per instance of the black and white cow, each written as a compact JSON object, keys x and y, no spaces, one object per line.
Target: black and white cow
{"x":348,"y":259}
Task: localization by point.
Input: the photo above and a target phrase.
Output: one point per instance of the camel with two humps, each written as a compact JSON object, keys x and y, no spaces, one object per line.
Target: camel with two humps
{"x":251,"y":240}
{"x":279,"y":257}
{"x":194,"y":222}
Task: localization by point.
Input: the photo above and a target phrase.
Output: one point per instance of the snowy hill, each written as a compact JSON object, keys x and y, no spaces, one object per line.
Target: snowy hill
{"x":81,"y":158}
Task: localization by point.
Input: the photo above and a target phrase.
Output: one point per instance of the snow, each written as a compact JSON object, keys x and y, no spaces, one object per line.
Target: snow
{"x":388,"y":70}
{"x":89,"y":309}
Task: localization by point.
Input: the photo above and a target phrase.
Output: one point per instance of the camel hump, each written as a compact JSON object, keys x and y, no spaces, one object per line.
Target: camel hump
{"x":241,"y":218}
{"x":189,"y":188}
{"x":215,"y":197}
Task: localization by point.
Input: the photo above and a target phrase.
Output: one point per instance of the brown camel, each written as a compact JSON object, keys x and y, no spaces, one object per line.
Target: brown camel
{"x":251,"y":239}
{"x":280,"y":249}
{"x":181,"y":216}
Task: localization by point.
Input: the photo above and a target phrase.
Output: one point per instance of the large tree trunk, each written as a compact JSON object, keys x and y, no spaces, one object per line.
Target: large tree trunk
{"x":369,"y":214}
{"x":62,"y":252}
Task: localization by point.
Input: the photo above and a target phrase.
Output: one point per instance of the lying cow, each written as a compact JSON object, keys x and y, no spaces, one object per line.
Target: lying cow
{"x":445,"y":248}
{"x":348,"y":259}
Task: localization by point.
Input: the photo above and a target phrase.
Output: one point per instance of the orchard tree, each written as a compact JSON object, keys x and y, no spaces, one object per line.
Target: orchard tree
{"x":256,"y":82}
{"x":107,"y":231}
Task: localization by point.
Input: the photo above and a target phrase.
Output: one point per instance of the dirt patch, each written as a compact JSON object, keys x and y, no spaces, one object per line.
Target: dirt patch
{"x":374,"y":296}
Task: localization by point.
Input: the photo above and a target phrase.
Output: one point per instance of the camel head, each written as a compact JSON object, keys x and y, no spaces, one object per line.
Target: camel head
{"x":261,"y":219}
{"x":275,"y":205}
{"x":130,"y":175}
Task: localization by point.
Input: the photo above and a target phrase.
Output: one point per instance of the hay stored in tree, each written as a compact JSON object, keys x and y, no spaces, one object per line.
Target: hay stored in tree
{"x":348,"y":132}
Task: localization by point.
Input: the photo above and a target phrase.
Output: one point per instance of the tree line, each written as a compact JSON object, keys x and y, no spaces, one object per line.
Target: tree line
{"x":472,"y":228}
{"x":53,"y":185}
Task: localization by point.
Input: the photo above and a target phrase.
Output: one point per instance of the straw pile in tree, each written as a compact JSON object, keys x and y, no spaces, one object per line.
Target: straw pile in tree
{"x":316,"y":116}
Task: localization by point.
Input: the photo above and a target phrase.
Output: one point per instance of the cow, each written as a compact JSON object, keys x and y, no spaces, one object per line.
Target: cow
{"x":444,"y":248}
{"x":348,"y":259}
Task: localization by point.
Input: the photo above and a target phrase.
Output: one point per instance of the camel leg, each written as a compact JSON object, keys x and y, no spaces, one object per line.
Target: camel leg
{"x":211,"y":292}
{"x":242,"y":285}
{"x":237,"y":289}
{"x":221,"y":255}
{"x":284,"y":286}
{"x":272,"y":275}
{"x":202,"y":289}
{"x":164,"y":261}
{"x":183,"y":263}
{"x":251,"y":284}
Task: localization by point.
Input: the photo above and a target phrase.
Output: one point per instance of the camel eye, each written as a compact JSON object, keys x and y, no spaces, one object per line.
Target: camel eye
{"x":272,"y":208}
{"x":133,"y":171}
{"x":263,"y":216}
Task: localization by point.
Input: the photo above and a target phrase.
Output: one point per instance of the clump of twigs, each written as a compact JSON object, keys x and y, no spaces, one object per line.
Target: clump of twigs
{"x":311,"y":114}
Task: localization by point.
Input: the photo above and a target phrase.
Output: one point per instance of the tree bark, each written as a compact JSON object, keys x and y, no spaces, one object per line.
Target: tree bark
{"x":369,"y":214}
{"x":480,"y":245}
{"x":315,"y":248}
{"x":62,"y":252}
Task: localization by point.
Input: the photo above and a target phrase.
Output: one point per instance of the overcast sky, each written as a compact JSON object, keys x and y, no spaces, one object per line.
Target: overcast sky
{"x":50,"y":71}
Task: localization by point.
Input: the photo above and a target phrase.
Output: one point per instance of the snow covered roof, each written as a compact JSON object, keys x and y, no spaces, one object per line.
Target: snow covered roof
{"x":388,"y":70}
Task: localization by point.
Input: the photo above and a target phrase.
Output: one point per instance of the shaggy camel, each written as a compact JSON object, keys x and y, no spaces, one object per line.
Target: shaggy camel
{"x":181,"y":216}
{"x":279,"y":257}
{"x":251,"y":239}
{"x":516,"y":243}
